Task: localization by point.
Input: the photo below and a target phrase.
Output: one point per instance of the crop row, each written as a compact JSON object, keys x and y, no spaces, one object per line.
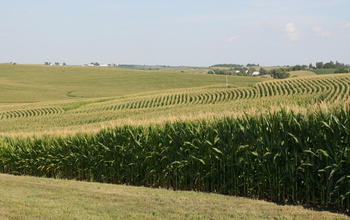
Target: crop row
{"x":329,"y":88}
{"x":335,"y":87}
{"x":332,"y":89}
{"x":282,"y":156}
{"x":31,"y":113}
{"x":207,"y":97}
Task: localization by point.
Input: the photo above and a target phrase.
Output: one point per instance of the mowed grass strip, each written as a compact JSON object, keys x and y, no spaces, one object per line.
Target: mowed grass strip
{"x":24,"y":197}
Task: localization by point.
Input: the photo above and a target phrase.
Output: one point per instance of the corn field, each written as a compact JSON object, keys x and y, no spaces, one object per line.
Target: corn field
{"x":325,"y":88}
{"x":283,"y":156}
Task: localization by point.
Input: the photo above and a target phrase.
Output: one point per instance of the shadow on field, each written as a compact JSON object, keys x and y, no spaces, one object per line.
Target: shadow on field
{"x":315,"y":207}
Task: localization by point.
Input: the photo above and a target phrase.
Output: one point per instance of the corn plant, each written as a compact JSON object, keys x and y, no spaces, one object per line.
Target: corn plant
{"x":281,"y":156}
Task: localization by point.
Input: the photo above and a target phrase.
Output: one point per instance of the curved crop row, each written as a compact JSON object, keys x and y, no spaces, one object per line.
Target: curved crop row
{"x":333,"y":88}
{"x":31,"y":112}
{"x":208,"y":97}
{"x":337,"y":87}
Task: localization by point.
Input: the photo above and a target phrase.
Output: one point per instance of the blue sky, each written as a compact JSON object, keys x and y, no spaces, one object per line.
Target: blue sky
{"x":191,"y":32}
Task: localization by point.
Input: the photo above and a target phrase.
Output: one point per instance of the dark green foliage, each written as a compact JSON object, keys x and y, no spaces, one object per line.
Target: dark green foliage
{"x":239,"y":72}
{"x":297,"y":67}
{"x":331,"y":65}
{"x":280,"y":73}
{"x":319,"y":65}
{"x":284,"y":157}
{"x":227,"y":65}
{"x":263,"y":71}
{"x":341,"y":71}
{"x":323,"y":71}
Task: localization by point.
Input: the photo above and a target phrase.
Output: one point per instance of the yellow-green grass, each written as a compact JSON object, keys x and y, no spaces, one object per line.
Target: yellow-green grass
{"x":25,"y":197}
{"x":37,"y":83}
{"x":301,"y":73}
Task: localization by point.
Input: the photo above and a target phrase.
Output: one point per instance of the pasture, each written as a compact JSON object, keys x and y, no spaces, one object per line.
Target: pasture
{"x":280,"y":140}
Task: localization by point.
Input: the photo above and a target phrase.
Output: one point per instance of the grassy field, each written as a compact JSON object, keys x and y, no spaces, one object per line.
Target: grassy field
{"x":25,"y":197}
{"x":38,"y":83}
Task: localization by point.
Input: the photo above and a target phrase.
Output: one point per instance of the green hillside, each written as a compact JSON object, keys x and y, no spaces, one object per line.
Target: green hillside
{"x":38,"y":83}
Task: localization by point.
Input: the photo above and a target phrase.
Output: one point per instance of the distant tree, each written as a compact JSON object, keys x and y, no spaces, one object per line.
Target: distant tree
{"x":339,"y":65}
{"x":329,"y":65}
{"x":311,"y":66}
{"x":227,"y":65}
{"x":263,"y":71}
{"x":227,"y":72}
{"x":57,"y":63}
{"x":251,"y":70}
{"x":211,"y":72}
{"x":297,"y":67}
{"x":47,"y":63}
{"x":252,"y":64}
{"x":96,"y":64}
{"x":326,"y":66}
{"x":64,"y":64}
{"x":319,"y":65}
{"x":280,"y":73}
{"x":242,"y":70}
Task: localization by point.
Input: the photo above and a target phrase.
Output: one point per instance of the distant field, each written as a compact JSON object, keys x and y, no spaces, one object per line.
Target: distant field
{"x":302,"y":73}
{"x":39,"y":83}
{"x":323,"y":71}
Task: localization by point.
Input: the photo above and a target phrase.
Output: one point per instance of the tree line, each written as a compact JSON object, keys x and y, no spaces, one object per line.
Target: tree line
{"x":234,"y":65}
{"x":238,"y":71}
{"x":330,"y":65}
{"x":278,"y":73}
{"x":56,"y":63}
